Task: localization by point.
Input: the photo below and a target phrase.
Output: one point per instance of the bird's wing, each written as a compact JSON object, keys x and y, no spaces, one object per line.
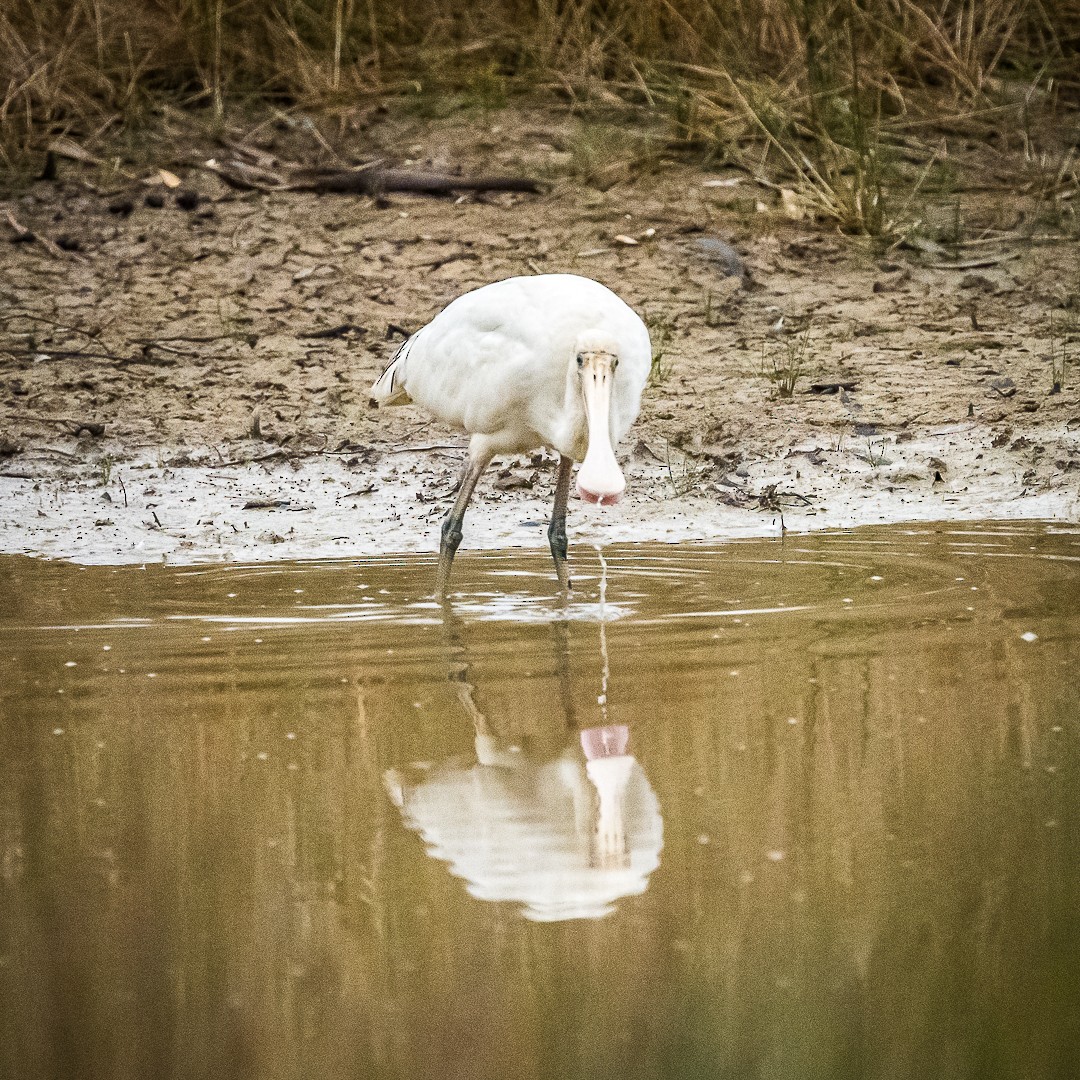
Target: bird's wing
{"x":389,"y":388}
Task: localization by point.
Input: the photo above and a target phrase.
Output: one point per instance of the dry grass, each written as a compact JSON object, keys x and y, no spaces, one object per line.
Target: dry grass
{"x":821,"y":95}
{"x":784,"y":361}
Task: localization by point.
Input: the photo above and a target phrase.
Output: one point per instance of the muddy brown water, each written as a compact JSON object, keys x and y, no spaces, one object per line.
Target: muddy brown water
{"x":801,"y":809}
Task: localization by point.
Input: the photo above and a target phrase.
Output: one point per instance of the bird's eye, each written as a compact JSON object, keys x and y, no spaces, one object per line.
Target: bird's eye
{"x":581,"y":361}
{"x":614,"y":363}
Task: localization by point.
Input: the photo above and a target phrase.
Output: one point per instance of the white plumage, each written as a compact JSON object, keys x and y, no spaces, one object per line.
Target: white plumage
{"x":552,"y":360}
{"x":563,"y":839}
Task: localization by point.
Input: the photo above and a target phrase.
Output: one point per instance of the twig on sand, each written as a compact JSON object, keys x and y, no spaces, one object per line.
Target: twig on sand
{"x":199,"y":339}
{"x":84,"y":354}
{"x":259,"y":457}
{"x":24,"y":234}
{"x":371,"y":179}
{"x":378,"y":181}
{"x":421,"y":449}
{"x":265,"y":504}
{"x":76,"y":427}
{"x":974,"y":264}
{"x":334,"y":331}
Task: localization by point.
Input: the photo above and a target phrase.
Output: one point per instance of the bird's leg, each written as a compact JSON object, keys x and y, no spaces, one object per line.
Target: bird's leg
{"x":451,"y":527}
{"x":557,"y":528}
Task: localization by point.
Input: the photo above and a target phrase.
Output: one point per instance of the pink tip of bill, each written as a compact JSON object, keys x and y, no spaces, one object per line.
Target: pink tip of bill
{"x":600,"y":500}
{"x":608,"y":741}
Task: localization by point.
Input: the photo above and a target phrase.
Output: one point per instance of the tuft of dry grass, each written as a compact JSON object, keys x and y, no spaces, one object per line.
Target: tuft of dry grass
{"x":783,"y":362}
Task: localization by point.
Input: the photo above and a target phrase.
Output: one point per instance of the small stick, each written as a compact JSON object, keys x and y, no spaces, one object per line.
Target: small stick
{"x":76,"y":426}
{"x":421,"y":449}
{"x":974,"y":264}
{"x":343,"y":329}
{"x":180,"y":337}
{"x":257,"y":458}
{"x":80,"y":354}
{"x":24,"y":233}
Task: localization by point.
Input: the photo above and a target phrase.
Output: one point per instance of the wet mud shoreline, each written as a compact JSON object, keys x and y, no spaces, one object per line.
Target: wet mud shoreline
{"x":187,"y":378}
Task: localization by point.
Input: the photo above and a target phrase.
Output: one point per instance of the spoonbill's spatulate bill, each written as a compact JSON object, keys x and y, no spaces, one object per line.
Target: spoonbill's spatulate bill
{"x":552,"y":360}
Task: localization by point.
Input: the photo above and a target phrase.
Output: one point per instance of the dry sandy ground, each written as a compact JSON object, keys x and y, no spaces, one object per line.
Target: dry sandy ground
{"x":233,"y":430}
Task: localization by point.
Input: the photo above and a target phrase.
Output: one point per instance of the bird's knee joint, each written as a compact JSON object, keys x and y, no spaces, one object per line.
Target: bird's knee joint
{"x":557,"y":538}
{"x":451,"y":533}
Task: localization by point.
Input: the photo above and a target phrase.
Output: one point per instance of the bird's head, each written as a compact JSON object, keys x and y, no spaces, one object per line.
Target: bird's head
{"x":596,"y":358}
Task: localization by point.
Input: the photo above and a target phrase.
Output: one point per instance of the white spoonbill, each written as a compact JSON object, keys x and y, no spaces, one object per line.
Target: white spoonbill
{"x":551,"y":360}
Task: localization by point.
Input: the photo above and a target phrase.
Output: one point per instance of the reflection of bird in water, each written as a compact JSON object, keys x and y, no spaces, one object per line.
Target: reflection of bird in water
{"x":564,"y":839}
{"x":552,"y":360}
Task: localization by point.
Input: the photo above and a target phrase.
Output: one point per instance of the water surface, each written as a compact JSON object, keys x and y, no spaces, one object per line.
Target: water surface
{"x":802,"y":809}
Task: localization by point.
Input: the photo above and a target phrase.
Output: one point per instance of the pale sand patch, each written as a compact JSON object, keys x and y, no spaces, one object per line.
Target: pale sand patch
{"x":192,"y":514}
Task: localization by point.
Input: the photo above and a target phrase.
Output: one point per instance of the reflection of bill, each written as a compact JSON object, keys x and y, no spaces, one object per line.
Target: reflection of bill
{"x":565,"y":839}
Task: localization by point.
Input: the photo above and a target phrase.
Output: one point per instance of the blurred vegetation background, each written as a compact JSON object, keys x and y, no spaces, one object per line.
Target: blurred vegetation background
{"x":835,"y":90}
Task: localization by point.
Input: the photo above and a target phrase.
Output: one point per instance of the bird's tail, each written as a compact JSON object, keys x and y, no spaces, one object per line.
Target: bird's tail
{"x":389,"y":387}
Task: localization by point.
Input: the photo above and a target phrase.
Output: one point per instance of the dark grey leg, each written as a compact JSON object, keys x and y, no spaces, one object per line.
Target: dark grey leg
{"x":557,"y":528}
{"x":451,"y":526}
{"x":560,"y":643}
